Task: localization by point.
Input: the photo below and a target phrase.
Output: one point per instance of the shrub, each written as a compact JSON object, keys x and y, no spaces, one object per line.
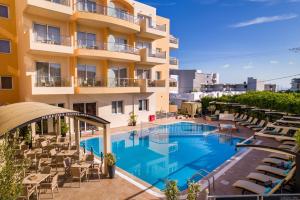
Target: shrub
{"x":193,"y":189}
{"x":171,"y":190}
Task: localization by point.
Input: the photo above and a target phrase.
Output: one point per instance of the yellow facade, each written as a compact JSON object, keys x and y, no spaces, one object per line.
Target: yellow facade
{"x":9,"y":62}
{"x":117,"y":50}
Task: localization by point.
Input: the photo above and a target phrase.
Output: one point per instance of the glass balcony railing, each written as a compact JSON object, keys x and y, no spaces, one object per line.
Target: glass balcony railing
{"x":162,"y":28}
{"x":61,"y":2}
{"x":109,"y":82}
{"x":92,"y":7}
{"x":51,"y":81}
{"x":173,"y":83}
{"x":114,"y":47}
{"x":158,"y":54}
{"x":52,"y":39}
{"x":174,"y":40}
{"x":173,"y":61}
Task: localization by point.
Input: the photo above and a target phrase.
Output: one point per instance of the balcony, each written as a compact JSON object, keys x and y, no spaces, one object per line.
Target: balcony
{"x":58,"y":46}
{"x":150,"y":58}
{"x":152,"y":31}
{"x":173,"y":86}
{"x":174,"y":62}
{"x":51,"y":85}
{"x":151,"y":86}
{"x":58,"y":9}
{"x":174,"y":42}
{"x":97,"y":15}
{"x":110,"y":51}
{"x":106,"y":86}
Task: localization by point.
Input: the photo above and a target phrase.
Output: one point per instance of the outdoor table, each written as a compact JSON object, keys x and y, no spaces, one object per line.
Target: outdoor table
{"x":66,"y":153}
{"x":82,"y":165}
{"x":35,"y":179}
{"x":226,"y":117}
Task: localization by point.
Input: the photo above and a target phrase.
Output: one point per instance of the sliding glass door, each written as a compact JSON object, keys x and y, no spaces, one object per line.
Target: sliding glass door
{"x":48,"y":74}
{"x":117,"y":77}
{"x":47,"y":34}
{"x":88,"y":108}
{"x":86,"y":75}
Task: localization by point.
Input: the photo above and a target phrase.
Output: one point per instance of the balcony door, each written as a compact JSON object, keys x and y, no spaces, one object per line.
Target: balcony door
{"x":143,"y":73}
{"x":88,"y":108}
{"x":86,"y":75}
{"x":117,"y":77}
{"x":117,"y":43}
{"x":47,"y":34}
{"x":86,"y":40}
{"x":48,"y":74}
{"x":87,"y":5}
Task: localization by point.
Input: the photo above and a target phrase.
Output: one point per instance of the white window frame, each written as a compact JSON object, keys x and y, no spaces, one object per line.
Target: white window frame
{"x":145,"y":104}
{"x":9,"y":46}
{"x":8,"y":12}
{"x":12,"y":83}
{"x":117,"y":105}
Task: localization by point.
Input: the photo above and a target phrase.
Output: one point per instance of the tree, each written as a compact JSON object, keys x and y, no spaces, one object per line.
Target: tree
{"x":11,"y":172}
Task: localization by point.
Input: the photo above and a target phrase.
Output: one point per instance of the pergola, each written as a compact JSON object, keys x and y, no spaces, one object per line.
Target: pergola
{"x":18,"y":115}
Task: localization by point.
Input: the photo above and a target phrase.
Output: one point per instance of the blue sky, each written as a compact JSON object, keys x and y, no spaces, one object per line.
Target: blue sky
{"x":237,"y":38}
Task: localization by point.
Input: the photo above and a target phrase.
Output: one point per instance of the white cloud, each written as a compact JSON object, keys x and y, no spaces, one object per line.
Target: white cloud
{"x":291,"y":63}
{"x":226,"y":66}
{"x":262,"y":20}
{"x":248,"y":66}
{"x":274,"y":62}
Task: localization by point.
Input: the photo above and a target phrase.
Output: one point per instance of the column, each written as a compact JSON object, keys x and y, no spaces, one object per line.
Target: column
{"x":58,"y":127}
{"x":77,"y":136}
{"x":70,"y":132}
{"x":106,"y":144}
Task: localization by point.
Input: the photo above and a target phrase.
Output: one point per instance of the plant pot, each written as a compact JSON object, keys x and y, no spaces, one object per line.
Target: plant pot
{"x":111,"y":171}
{"x":133,"y":123}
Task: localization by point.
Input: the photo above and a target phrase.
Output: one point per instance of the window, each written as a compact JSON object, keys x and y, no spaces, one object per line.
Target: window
{"x":144,"y":104}
{"x":6,"y":82}
{"x":47,"y":34}
{"x":86,"y":40}
{"x":48,"y":74}
{"x":86,"y":75}
{"x":158,"y":75}
{"x":143,"y":74}
{"x":3,"y":11}
{"x":5,"y":46}
{"x":88,"y":108}
{"x":117,"y":107}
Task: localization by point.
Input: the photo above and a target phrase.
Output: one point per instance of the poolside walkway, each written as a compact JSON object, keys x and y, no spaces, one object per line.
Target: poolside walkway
{"x":119,"y":188}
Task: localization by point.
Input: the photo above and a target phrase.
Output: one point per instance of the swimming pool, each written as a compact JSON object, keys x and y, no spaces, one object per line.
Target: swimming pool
{"x":175,"y":151}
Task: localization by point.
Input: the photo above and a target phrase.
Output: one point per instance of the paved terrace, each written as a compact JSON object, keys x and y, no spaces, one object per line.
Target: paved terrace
{"x":119,"y":188}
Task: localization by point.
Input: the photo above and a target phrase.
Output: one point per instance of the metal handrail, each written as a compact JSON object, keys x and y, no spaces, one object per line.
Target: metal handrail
{"x":158,"y":54}
{"x":105,"y":10}
{"x":199,"y":172}
{"x":174,"y":40}
{"x":61,"y":2}
{"x":55,"y":40}
{"x":107,"y":82}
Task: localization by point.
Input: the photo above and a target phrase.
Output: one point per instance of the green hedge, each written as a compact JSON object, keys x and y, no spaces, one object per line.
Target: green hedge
{"x":285,"y":102}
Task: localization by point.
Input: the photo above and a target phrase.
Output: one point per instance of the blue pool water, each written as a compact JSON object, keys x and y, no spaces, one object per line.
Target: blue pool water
{"x":175,"y":152}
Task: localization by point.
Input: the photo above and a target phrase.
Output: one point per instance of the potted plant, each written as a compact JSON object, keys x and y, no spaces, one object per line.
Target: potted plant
{"x":132,"y":119}
{"x":171,"y":190}
{"x":193,"y":189}
{"x":64,"y":128}
{"x":111,"y":164}
{"x":211,"y":108}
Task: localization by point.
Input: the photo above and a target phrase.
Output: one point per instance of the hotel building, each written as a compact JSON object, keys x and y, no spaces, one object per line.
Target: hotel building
{"x":103,"y":57}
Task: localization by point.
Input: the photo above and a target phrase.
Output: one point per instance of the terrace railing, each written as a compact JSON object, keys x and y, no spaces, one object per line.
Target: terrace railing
{"x":173,"y":84}
{"x":52,"y":39}
{"x":156,"y":83}
{"x":113,"y":47}
{"x":83,"y":6}
{"x":52,"y":81}
{"x":174,"y":40}
{"x":109,"y":82}
{"x":173,"y":61}
{"x":61,"y":2}
{"x":158,"y":54}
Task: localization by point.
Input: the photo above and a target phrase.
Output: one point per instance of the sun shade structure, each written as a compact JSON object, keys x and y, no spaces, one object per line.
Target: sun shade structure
{"x":20,"y":114}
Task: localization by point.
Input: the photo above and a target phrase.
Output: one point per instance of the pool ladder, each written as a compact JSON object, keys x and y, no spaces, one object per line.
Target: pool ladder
{"x":204,"y":176}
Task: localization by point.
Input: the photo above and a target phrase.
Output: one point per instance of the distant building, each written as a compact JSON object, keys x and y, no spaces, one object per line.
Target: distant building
{"x":192,"y":80}
{"x":270,"y":87}
{"x":295,"y":84}
{"x":254,"y":84}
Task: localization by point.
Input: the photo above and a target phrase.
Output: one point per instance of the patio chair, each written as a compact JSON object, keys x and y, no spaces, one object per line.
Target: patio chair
{"x":46,"y":170}
{"x":90,"y":158}
{"x":53,"y":184}
{"x":273,"y":170}
{"x":255,"y":188}
{"x":95,"y":169}
{"x":67,"y":165}
{"x":76,"y":173}
{"x":73,"y":147}
{"x":27,"y":192}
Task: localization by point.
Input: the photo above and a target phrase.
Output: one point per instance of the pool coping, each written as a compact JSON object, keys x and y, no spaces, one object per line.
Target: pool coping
{"x":214,"y":174}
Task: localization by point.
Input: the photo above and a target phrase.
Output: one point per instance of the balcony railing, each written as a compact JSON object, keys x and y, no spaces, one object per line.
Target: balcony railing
{"x":52,"y":81}
{"x":156,"y":83}
{"x":162,"y":27}
{"x":109,"y":82}
{"x":158,"y":54}
{"x":174,"y":40}
{"x":61,"y":2}
{"x":114,"y":47}
{"x":173,"y":83}
{"x":55,"y":40}
{"x":173,"y":61}
{"x":82,"y":6}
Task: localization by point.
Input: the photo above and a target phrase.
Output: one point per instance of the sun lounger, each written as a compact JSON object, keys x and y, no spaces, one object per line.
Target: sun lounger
{"x":273,"y":170}
{"x":245,"y":121}
{"x":242,"y":118}
{"x":255,"y":188}
{"x":262,"y":177}
{"x":277,"y":162}
{"x":291,"y":143}
{"x":253,"y":122}
{"x":285,"y":140}
{"x":260,"y":125}
{"x":286,"y":147}
{"x":280,"y":156}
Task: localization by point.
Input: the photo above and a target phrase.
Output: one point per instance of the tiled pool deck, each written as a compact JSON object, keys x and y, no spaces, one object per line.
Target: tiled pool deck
{"x":120,"y":188}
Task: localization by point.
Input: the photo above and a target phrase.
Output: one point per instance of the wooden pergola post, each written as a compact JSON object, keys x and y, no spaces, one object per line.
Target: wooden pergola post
{"x":106,"y":144}
{"x":77,"y":135}
{"x":58,"y":126}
